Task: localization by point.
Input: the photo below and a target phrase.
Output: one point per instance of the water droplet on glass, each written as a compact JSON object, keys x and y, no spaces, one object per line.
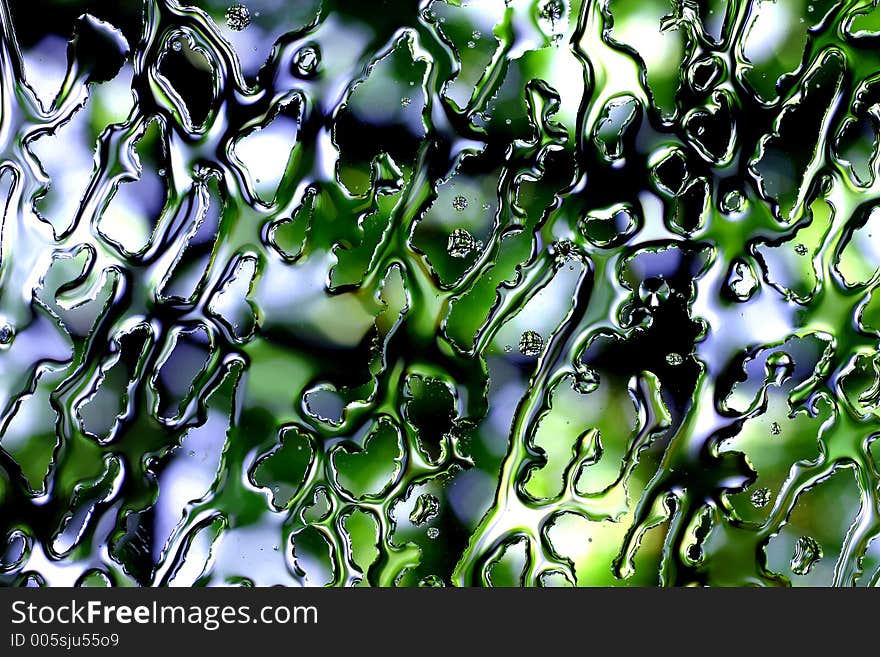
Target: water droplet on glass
{"x":531,"y":344}
{"x":552,"y":10}
{"x":742,"y":282}
{"x":238,"y":17}
{"x":427,"y":508}
{"x":807,"y":552}
{"x":760,"y":498}
{"x":460,"y":243}
{"x":654,"y":291}
{"x":780,"y":366}
{"x":7,"y":333}
{"x":733,"y":202}
{"x":586,"y":379}
{"x":565,"y":251}
{"x":306,"y":61}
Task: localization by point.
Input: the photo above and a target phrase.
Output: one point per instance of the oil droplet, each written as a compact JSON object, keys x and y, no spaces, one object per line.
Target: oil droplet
{"x":531,"y":344}
{"x":238,"y":17}
{"x":807,"y":552}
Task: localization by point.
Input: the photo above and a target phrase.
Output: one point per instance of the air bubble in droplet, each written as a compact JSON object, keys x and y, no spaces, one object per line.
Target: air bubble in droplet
{"x":405,"y":101}
{"x":531,"y":344}
{"x":459,"y":203}
{"x":433,"y":532}
{"x":775,"y":429}
{"x":807,"y":552}
{"x":800,"y":249}
{"x":238,"y":17}
{"x":674,"y":359}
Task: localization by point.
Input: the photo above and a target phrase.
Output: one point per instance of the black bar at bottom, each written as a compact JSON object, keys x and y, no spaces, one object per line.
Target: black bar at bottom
{"x":391,"y":621}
